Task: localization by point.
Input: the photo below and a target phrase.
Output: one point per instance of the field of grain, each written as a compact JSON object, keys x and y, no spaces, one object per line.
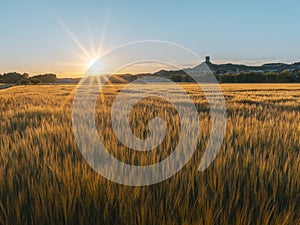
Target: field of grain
{"x":255,"y":178}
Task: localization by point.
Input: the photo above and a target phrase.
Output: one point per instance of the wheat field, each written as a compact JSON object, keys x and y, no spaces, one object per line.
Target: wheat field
{"x":255,"y":178}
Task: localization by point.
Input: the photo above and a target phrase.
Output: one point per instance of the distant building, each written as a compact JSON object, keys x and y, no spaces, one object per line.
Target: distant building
{"x":207,"y":59}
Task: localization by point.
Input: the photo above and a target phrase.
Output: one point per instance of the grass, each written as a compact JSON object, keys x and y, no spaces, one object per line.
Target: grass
{"x":255,"y":178}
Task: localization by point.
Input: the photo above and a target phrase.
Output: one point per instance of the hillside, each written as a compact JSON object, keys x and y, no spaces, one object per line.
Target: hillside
{"x":224,"y":73}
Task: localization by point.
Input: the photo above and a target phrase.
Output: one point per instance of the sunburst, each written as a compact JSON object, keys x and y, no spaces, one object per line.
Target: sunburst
{"x":89,"y":56}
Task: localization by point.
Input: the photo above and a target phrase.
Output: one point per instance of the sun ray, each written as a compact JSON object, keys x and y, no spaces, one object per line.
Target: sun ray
{"x":88,"y":54}
{"x":101,"y":41}
{"x":101,"y":94}
{"x":76,"y":41}
{"x":91,"y":42}
{"x":119,"y":79}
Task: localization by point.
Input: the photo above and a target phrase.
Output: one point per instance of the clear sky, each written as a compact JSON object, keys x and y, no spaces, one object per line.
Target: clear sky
{"x":39,"y":36}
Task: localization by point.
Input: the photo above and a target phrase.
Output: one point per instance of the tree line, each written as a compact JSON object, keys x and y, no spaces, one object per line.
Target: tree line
{"x":247,"y":77}
{"x":25,"y":79}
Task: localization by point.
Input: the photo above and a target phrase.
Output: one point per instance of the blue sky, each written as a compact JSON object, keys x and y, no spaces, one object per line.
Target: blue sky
{"x":38,"y":36}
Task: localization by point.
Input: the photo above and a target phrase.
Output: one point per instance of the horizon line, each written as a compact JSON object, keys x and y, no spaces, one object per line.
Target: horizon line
{"x":78,"y":74}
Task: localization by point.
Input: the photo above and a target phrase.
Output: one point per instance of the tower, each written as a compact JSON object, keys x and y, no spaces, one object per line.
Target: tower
{"x":207,"y":59}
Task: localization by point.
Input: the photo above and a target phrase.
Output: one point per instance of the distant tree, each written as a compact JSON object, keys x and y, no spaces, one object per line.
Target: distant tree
{"x":25,"y":81}
{"x":25,"y":75}
{"x":272,"y":77}
{"x":256,"y":77}
{"x":35,"y":81}
{"x":285,"y":77}
{"x":13,"y":77}
{"x":229,"y":78}
{"x":46,"y":78}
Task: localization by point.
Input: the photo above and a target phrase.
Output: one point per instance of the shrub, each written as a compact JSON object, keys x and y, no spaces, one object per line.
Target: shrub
{"x":35,"y":81}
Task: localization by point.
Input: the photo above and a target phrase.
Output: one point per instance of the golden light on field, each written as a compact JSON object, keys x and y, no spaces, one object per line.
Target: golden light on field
{"x":256,"y":174}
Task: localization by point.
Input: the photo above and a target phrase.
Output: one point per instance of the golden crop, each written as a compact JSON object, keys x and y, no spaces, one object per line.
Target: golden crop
{"x":255,"y":178}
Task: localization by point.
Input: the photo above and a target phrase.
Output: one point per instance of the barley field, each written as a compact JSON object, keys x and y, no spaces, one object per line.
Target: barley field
{"x":255,"y":178}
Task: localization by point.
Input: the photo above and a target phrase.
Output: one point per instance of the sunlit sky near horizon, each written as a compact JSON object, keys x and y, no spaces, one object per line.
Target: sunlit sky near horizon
{"x":63,"y":37}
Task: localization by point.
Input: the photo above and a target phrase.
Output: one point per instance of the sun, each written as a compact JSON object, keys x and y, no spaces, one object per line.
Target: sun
{"x":89,"y":57}
{"x":91,"y":62}
{"x":94,"y":66}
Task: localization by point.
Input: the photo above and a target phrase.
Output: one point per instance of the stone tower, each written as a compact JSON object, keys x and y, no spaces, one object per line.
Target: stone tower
{"x":207,"y":59}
